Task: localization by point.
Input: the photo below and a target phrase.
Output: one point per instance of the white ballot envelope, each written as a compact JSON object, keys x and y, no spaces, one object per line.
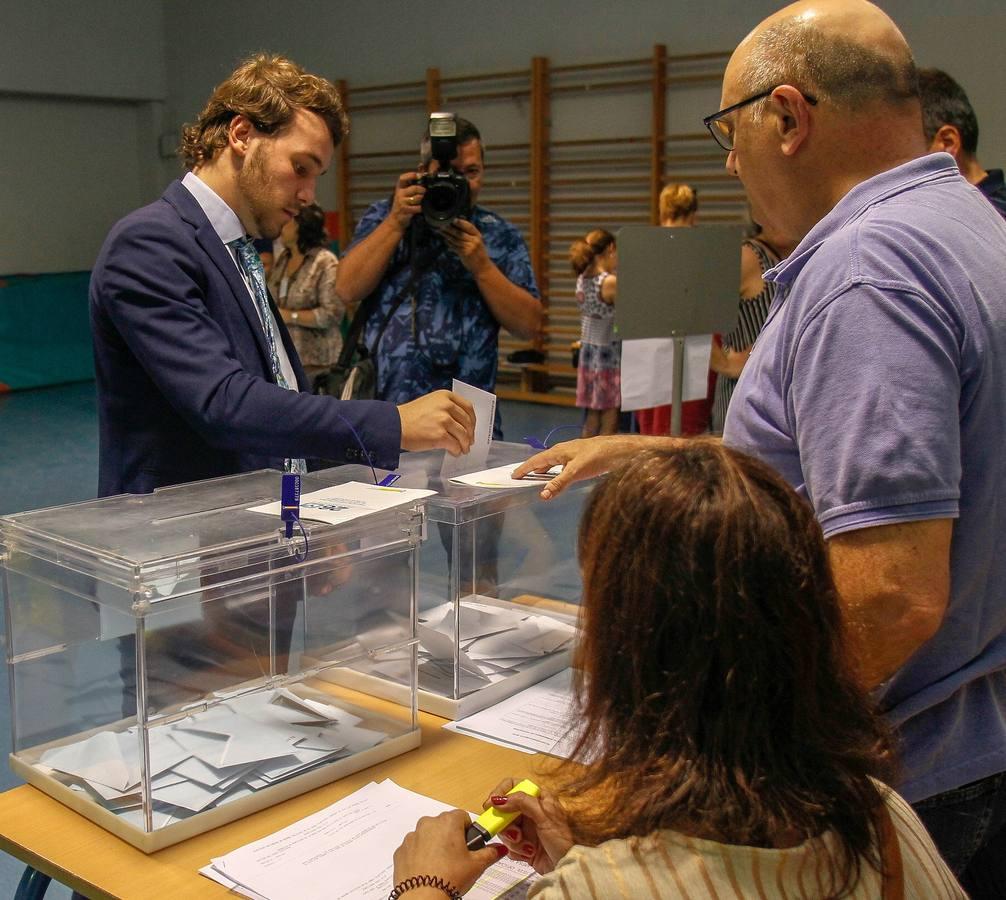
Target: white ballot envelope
{"x":485,"y":414}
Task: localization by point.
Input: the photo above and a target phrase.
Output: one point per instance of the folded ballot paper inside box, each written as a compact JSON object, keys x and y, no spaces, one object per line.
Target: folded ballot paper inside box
{"x":165,"y":651}
{"x":494,"y":642}
{"x":217,"y":754}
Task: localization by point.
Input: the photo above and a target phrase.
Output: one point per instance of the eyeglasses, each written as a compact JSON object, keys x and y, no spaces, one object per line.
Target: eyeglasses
{"x":722,"y":133}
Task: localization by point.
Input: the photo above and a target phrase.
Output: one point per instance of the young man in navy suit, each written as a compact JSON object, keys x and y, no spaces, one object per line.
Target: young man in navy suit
{"x":196,"y":373}
{"x":197,"y":376}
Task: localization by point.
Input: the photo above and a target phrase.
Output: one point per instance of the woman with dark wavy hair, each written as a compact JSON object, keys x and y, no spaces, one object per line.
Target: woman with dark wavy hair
{"x":302,"y":280}
{"x":732,"y":751}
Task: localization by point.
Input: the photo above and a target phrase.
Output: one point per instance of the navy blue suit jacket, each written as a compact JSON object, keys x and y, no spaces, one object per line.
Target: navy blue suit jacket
{"x":185,"y":388}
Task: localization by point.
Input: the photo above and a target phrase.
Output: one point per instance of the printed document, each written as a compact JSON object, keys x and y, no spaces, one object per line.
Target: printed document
{"x":344,"y":852}
{"x":348,"y":501}
{"x":540,"y":719}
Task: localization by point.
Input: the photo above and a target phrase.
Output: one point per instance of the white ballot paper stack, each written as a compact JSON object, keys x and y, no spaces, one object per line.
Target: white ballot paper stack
{"x":247,"y":742}
{"x":494,"y":643}
{"x":344,"y":852}
{"x":540,"y":719}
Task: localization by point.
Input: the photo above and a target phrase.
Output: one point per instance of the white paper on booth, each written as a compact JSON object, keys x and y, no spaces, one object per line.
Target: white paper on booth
{"x":499,"y":477}
{"x":348,"y":501}
{"x":485,"y":414}
{"x":648,"y":371}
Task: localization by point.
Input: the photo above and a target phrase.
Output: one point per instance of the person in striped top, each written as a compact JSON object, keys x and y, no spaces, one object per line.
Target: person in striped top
{"x":759,"y":253}
{"x":734,"y":753}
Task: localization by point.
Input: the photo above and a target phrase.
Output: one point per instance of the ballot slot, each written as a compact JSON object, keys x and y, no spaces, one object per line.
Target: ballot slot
{"x":168,"y":655}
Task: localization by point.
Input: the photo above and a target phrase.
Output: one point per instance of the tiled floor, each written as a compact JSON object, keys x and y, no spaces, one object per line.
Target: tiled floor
{"x":49,"y":456}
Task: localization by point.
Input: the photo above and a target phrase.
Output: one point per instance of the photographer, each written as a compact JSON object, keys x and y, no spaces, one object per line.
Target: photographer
{"x":461,"y":281}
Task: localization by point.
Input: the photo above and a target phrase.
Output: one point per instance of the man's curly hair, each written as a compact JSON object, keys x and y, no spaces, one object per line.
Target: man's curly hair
{"x":266,"y":89}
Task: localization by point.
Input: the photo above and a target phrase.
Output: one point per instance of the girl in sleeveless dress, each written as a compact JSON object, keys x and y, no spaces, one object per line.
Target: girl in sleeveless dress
{"x":598,"y":378}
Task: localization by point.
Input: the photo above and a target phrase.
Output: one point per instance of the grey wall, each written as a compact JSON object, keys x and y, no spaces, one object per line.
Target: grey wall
{"x":136,"y":69}
{"x":98,"y":48}
{"x":82,"y":89}
{"x":367,"y":42}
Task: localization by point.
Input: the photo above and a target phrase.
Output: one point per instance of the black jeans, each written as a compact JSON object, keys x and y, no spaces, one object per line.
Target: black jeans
{"x":968,"y":825}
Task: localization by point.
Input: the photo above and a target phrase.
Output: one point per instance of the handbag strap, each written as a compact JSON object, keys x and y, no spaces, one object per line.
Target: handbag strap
{"x":892,"y":868}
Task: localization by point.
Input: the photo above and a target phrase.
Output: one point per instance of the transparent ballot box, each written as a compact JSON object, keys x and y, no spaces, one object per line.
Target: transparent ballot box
{"x":175,"y":662}
{"x":499,"y":584}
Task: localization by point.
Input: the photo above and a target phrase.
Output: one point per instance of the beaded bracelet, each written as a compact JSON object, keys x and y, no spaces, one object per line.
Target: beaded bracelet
{"x":424,"y":881}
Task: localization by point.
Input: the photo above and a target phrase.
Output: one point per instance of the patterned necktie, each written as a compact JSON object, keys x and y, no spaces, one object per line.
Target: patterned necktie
{"x":251,"y":265}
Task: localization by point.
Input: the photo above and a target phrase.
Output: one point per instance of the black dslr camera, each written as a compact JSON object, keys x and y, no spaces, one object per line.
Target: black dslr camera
{"x":447,"y":195}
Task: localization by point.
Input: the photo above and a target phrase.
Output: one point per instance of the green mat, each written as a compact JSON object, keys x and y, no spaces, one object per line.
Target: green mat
{"x":45,"y":337}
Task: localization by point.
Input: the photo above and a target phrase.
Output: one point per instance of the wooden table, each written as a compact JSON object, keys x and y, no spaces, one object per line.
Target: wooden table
{"x":58,"y":842}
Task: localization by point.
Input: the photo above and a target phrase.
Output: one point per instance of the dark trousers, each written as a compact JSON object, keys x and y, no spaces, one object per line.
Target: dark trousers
{"x":968,"y":825}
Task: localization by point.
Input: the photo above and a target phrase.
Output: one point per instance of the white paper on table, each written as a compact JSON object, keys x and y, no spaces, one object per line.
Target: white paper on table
{"x":538,"y":719}
{"x":485,"y":414}
{"x":499,"y":477}
{"x":219,"y":877}
{"x":344,"y":851}
{"x":345,"y":502}
{"x":648,"y":371}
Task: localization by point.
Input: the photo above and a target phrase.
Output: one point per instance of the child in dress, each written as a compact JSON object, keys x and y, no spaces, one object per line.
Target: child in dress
{"x":598,"y":379}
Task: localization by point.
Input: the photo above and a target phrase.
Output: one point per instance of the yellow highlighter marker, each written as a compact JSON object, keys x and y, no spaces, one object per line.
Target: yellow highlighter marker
{"x":492,"y":821}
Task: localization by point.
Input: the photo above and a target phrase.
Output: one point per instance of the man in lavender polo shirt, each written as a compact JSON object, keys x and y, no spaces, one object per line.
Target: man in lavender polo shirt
{"x":878,"y":389}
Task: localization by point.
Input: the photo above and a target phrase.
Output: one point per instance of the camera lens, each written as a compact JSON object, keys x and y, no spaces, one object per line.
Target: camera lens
{"x":447,"y":197}
{"x":441,"y":199}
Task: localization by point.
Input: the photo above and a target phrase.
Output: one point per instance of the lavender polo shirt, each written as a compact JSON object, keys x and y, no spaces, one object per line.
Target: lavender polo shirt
{"x":877,"y":388}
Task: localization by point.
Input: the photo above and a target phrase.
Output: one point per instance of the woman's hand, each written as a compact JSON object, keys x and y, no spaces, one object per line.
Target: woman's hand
{"x":437,"y":847}
{"x":587,"y":457}
{"x":541,"y":837}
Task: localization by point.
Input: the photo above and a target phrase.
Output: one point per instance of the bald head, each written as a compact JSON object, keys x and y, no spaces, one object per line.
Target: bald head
{"x":847,"y":52}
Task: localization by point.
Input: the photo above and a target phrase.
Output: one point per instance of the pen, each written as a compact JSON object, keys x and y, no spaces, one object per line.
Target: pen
{"x":492,"y":821}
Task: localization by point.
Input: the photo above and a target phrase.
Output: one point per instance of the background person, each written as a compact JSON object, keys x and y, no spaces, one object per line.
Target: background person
{"x":759,"y":253}
{"x":472,"y":277}
{"x":736,"y":755}
{"x":678,"y":208}
{"x":303,"y":282}
{"x":950,"y":125}
{"x":598,"y":376}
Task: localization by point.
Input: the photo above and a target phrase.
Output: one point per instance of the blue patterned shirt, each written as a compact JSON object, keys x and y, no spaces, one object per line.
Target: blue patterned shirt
{"x":449,"y":331}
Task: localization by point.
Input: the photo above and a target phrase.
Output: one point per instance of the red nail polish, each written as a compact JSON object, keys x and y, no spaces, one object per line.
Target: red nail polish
{"x":497,"y":801}
{"x":501,"y":850}
{"x":511,"y":834}
{"x":528,"y":850}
